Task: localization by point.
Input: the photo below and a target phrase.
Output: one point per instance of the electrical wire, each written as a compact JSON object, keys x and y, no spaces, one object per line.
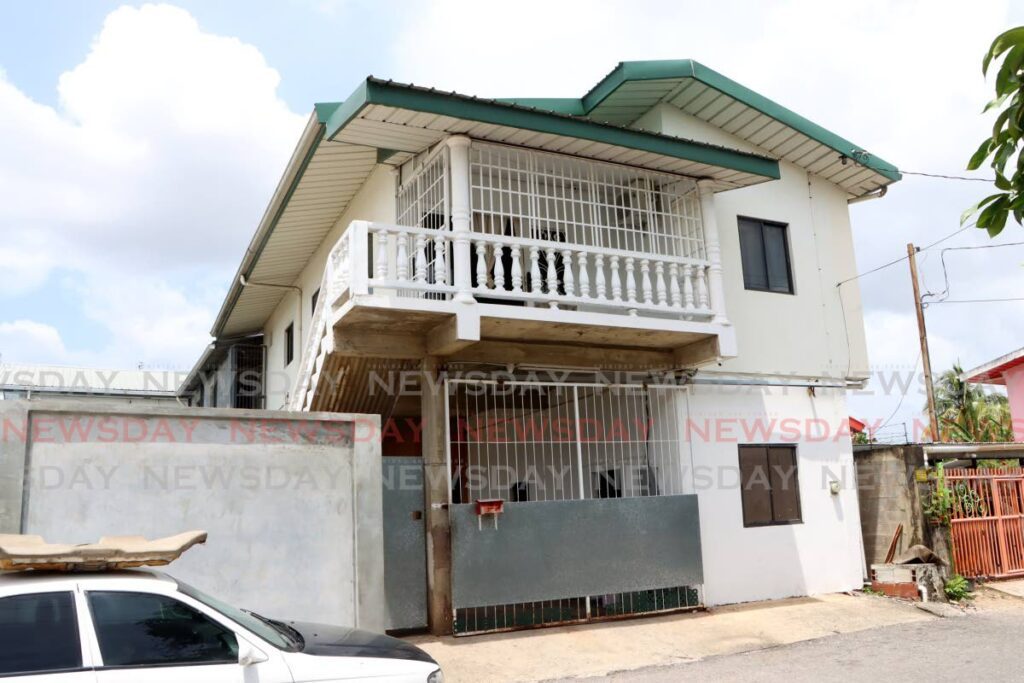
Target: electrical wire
{"x":902,"y":397}
{"x":943,"y":176}
{"x":974,"y":301}
{"x":904,"y":258}
{"x":942,"y":296}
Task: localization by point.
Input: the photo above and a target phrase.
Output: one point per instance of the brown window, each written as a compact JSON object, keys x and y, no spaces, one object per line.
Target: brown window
{"x":770,"y":487}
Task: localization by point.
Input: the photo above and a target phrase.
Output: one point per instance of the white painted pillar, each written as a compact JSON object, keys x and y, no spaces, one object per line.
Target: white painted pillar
{"x":713,"y":250}
{"x":458,"y":163}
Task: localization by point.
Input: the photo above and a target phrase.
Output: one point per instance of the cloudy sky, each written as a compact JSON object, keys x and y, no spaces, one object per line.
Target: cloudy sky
{"x":139,"y":144}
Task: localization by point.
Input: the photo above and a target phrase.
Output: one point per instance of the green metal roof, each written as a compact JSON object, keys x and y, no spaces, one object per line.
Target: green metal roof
{"x":633,"y":88}
{"x":460,"y":112}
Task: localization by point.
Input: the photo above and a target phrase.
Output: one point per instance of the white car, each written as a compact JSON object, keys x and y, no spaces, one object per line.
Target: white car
{"x":142,"y":626}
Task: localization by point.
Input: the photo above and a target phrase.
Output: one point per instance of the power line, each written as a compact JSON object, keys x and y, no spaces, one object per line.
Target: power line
{"x":944,"y":176}
{"x":974,"y":301}
{"x":902,"y":397}
{"x":904,"y":258}
{"x":944,"y":294}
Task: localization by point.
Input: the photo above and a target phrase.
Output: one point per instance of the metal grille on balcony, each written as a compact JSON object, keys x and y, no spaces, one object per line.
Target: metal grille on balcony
{"x":553,"y":230}
{"x":422,"y":199}
{"x":523,"y":193}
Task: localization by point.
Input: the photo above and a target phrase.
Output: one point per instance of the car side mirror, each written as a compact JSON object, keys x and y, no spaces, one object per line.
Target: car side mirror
{"x":249,"y":654}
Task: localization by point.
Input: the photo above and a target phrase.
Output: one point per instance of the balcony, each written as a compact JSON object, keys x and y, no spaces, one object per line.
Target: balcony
{"x":502,"y":254}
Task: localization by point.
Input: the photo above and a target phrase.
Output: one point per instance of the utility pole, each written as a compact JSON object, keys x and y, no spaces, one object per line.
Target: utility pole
{"x":926,"y":360}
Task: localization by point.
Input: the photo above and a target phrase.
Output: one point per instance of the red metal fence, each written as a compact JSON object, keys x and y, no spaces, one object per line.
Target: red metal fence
{"x":987,"y":521}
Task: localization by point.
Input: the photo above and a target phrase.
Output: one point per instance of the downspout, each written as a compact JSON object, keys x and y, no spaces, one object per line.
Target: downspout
{"x":877,"y":194}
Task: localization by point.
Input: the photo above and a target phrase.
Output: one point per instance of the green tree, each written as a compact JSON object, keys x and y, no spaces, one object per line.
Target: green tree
{"x":1002,"y":149}
{"x":967,"y":414}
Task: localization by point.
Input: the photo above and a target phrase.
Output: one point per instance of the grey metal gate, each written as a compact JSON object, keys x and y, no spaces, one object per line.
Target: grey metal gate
{"x":598,"y":519}
{"x":405,"y":543}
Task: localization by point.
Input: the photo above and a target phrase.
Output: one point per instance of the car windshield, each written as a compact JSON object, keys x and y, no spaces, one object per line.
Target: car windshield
{"x":277,"y":634}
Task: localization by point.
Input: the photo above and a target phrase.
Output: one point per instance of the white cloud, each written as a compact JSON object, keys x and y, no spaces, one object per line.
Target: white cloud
{"x":150,"y":175}
{"x":30,"y":339}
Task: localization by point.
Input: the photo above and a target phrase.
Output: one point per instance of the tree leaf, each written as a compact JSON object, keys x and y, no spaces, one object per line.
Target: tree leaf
{"x":1006,"y":79}
{"x":1003,"y":42}
{"x":997,"y":102}
{"x":965,"y":216}
{"x":979,"y":157}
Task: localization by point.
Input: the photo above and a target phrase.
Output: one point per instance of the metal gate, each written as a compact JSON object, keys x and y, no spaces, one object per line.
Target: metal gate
{"x":987,"y":521}
{"x":405,"y":543}
{"x":599,"y":519}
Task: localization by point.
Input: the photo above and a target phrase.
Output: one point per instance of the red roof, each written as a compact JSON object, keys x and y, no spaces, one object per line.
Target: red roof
{"x":992,"y":372}
{"x":856,"y":426}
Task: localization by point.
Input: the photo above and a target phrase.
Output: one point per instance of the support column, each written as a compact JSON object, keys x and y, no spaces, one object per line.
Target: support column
{"x":436,"y":478}
{"x":714,"y":252}
{"x":458,"y":164}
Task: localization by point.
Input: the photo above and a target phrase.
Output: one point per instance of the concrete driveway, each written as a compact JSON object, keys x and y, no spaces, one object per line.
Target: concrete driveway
{"x":985,"y":645}
{"x":602,"y":649}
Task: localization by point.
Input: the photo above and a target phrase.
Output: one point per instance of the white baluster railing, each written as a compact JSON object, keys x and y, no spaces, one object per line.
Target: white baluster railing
{"x":414,"y":262}
{"x":560,"y":274}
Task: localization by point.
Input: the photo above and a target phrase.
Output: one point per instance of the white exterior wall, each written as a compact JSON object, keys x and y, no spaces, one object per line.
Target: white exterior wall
{"x":824,"y":553}
{"x":802,"y":334}
{"x":374,"y":202}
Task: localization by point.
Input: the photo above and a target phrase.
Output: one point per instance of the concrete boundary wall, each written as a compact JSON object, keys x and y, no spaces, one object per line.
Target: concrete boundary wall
{"x":291,"y":501}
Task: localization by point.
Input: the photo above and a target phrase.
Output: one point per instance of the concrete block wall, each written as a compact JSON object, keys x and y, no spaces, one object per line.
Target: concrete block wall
{"x":888,"y":496}
{"x":291,"y":501}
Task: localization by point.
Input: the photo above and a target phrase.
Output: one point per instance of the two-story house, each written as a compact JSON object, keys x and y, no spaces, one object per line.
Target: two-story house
{"x":607,"y":327}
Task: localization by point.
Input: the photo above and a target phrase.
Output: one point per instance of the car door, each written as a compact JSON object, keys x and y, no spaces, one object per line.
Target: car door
{"x":156,"y":638}
{"x":39,"y":639}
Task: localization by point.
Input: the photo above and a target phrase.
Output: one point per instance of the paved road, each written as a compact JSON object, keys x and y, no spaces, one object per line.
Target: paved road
{"x":982,"y":646}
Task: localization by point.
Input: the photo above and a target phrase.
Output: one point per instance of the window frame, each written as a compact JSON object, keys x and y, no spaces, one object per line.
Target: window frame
{"x":97,"y":655}
{"x":85,"y":661}
{"x":795,"y":478}
{"x":788,"y":252}
{"x":289,"y":344}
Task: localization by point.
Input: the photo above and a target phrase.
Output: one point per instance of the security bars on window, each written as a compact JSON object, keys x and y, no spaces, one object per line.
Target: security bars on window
{"x":551,"y":230}
{"x":422,"y":254}
{"x":554,"y":197}
{"x":533,"y":441}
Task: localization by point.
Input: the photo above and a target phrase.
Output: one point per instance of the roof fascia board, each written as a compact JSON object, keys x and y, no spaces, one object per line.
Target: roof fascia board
{"x":495,"y":113}
{"x":636,"y":71}
{"x":570,"y":106}
{"x":994,"y":369}
{"x":688,"y":68}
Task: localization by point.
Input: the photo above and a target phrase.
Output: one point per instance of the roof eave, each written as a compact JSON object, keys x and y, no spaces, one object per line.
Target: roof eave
{"x":688,"y":68}
{"x":992,"y":372}
{"x":386,"y":93}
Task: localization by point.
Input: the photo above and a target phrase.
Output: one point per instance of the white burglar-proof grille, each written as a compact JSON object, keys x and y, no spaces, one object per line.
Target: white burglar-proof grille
{"x":535,"y":441}
{"x":422,"y":254}
{"x":535,"y":195}
{"x":422,"y":200}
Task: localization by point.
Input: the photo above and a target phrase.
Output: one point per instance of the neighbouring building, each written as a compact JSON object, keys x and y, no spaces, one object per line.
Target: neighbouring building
{"x":603,"y":334}
{"x":1006,"y":371}
{"x":18,"y":381}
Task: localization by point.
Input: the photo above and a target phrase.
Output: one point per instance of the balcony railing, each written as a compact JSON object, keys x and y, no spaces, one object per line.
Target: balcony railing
{"x":501,"y":225}
{"x":410,"y":262}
